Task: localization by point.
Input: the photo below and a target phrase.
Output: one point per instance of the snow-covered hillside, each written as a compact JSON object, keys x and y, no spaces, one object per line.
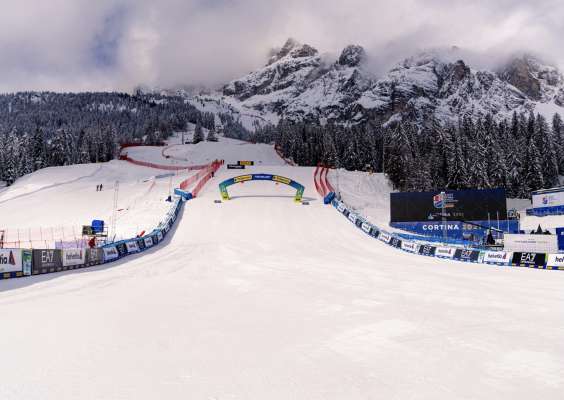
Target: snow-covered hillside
{"x":259,"y":297}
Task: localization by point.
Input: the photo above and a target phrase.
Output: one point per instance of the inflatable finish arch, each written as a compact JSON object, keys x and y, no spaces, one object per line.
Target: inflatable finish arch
{"x":261,"y":177}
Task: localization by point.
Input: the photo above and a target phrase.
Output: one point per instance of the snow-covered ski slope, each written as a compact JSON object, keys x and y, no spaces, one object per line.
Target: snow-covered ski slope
{"x":262,"y":298}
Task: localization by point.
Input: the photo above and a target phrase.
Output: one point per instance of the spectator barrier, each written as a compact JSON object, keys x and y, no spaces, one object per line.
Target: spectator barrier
{"x":502,"y":258}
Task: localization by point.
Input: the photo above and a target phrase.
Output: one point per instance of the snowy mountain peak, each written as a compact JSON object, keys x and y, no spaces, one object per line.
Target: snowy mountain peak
{"x":352,"y":55}
{"x":292,"y":49}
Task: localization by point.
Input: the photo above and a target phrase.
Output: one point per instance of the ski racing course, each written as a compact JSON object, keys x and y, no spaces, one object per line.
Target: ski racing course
{"x":260,"y":297}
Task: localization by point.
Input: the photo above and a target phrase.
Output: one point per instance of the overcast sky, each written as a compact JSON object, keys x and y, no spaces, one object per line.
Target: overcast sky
{"x":72,"y":45}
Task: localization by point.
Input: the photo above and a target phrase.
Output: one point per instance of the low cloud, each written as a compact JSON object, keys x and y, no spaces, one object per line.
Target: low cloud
{"x":71,"y":45}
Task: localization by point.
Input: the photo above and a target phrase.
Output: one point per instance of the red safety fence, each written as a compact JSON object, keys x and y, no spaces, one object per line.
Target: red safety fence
{"x":160,"y":166}
{"x":214,"y":167}
{"x":328,"y":185}
{"x":316,"y":181}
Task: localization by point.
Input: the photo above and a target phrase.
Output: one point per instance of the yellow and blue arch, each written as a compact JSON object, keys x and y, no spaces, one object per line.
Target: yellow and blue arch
{"x":261,"y":177}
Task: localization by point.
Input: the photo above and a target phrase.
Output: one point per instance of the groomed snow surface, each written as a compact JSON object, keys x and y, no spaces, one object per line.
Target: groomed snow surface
{"x":262,"y":298}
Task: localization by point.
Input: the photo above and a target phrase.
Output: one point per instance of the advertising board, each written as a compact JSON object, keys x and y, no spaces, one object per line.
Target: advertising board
{"x":445,"y":252}
{"x":531,"y":243}
{"x":132,"y":246}
{"x":460,"y":205}
{"x":409,"y":246}
{"x":110,"y":253}
{"x":467,"y":255}
{"x":497,"y":257}
{"x":45,"y":261}
{"x":528,"y":259}
{"x":10,"y":260}
{"x":73,"y":257}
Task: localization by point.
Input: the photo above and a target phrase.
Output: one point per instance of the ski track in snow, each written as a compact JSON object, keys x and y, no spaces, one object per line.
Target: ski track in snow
{"x":262,"y":298}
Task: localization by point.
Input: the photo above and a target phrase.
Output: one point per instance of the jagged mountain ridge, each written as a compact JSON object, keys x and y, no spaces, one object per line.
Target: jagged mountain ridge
{"x":299,"y":83}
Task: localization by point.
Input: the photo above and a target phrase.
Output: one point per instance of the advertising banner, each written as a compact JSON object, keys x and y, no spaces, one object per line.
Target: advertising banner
{"x":467,"y":255}
{"x":159,"y":236}
{"x":74,"y":257}
{"x":427,"y":250}
{"x":121,"y":249}
{"x":555,"y":261}
{"x":395,"y":242}
{"x":460,"y":205}
{"x":409,"y":246}
{"x":341,"y":207}
{"x":366,"y":227}
{"x":110,"y":253}
{"x":358,"y":223}
{"x":374,"y":232}
{"x":148,"y":241}
{"x":45,"y":261}
{"x":141,"y":244}
{"x":530,"y":243}
{"x":528,"y":259}
{"x":94,"y":256}
{"x":560,"y":236}
{"x":10,"y":260}
{"x":497,"y":257}
{"x":132,"y":246}
{"x":385,"y":237}
{"x":352,"y":217}
{"x":246,"y":163}
{"x":235,"y":166}
{"x":445,"y":252}
{"x":27,"y":261}
{"x":548,"y":199}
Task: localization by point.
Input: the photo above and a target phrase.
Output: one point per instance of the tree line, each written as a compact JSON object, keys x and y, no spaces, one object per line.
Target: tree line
{"x":521,"y":154}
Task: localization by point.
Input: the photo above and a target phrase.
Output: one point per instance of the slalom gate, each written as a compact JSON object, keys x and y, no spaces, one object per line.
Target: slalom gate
{"x":261,"y":177}
{"x":502,"y":258}
{"x":17,"y":262}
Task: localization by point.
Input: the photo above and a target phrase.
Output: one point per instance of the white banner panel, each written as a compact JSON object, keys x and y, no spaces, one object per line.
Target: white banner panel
{"x":341,"y":207}
{"x":555,"y":260}
{"x":132,"y":246}
{"x":10,"y":260}
{"x":72,"y":257}
{"x":530,"y":243}
{"x":352,"y":218}
{"x":497,"y":257}
{"x":110,"y":253}
{"x":409,"y":246}
{"x":385,"y":237}
{"x":148,"y":241}
{"x":548,"y":199}
{"x":366,"y":227}
{"x":445,"y":252}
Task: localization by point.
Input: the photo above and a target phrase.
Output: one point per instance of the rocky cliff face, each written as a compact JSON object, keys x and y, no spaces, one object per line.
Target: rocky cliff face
{"x":298,"y":82}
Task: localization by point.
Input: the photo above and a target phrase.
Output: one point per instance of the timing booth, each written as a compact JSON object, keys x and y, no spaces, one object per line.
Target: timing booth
{"x":261,"y":177}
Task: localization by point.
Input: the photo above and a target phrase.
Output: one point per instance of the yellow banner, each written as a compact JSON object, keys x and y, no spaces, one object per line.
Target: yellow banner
{"x":246,"y":162}
{"x":243,"y":178}
{"x":281,"y":179}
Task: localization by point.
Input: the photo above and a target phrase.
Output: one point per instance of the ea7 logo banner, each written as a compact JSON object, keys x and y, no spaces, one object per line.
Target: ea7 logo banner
{"x":497,"y":257}
{"x":395,"y":242}
{"x":445,"y":252}
{"x":466,"y":255}
{"x":529,"y":259}
{"x":45,"y":261}
{"x":10,"y":260}
{"x":427,"y":250}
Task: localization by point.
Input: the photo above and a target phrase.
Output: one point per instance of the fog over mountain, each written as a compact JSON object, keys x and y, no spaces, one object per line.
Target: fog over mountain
{"x":66,"y":45}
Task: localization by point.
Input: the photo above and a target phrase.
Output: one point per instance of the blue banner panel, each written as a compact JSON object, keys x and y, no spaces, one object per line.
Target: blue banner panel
{"x":560,"y":233}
